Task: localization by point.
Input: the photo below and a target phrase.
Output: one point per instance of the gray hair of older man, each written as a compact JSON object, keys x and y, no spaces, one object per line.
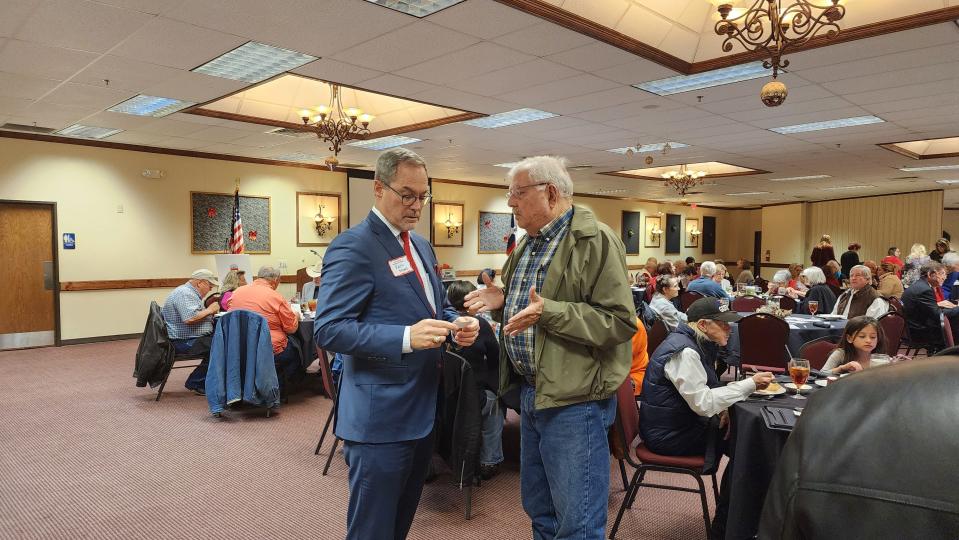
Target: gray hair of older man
{"x":867,"y":273}
{"x":391,"y":159}
{"x":707,"y":269}
{"x":814,"y":275}
{"x":950,"y":259}
{"x":782,"y":276}
{"x":268,"y":272}
{"x":931,"y":267}
{"x":548,"y":169}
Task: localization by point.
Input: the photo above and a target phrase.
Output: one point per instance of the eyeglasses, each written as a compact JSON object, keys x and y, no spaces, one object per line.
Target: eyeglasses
{"x":518,"y":192}
{"x":408,"y":200}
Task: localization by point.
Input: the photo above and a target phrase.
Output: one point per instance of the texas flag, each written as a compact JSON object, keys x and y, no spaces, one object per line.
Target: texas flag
{"x":511,"y":239}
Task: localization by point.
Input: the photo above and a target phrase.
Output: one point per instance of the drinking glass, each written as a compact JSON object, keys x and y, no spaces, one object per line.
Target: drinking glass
{"x":799,"y":373}
{"x":813,"y":306}
{"x":312,"y":304}
{"x":740,"y":288}
{"x":876,"y":360}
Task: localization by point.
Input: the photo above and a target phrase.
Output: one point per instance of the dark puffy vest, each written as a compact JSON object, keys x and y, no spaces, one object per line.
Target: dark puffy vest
{"x":667,"y":424}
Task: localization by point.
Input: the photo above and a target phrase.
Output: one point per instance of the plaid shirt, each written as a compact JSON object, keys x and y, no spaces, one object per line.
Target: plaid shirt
{"x":531,"y":270}
{"x":182,"y":304}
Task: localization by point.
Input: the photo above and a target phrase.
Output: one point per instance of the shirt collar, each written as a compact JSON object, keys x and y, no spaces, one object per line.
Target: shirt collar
{"x":396,"y":232}
{"x":554,"y":227}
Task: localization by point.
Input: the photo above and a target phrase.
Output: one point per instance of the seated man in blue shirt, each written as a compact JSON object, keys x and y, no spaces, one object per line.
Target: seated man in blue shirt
{"x":190,"y":325}
{"x":707,"y":284}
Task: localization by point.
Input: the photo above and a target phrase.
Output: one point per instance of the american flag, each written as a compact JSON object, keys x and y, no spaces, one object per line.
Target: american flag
{"x":236,"y":240}
{"x":511,"y":240}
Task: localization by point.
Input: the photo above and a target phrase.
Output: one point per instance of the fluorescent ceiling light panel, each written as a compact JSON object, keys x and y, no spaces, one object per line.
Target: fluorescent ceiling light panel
{"x":839,"y":188}
{"x":708,"y":79}
{"x":416,"y":8}
{"x":947,"y":182}
{"x":382,"y":143}
{"x":254,"y":62}
{"x":791,"y":178}
{"x":747,"y":193}
{"x":929,"y":168}
{"x":828,"y":124}
{"x":509,"y":118}
{"x":88,"y":132}
{"x":154,"y":106}
{"x":656,"y":147}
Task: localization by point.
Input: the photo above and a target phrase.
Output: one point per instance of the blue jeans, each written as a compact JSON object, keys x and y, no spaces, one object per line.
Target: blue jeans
{"x":564,"y":467}
{"x":199,"y":345}
{"x":491,"y":451}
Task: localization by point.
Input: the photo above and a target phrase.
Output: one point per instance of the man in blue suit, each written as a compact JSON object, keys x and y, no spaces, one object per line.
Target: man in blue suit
{"x":382,"y":307}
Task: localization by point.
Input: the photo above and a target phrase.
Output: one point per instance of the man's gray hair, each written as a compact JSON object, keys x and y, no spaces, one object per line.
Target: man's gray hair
{"x":931,"y":267}
{"x":950,"y":259}
{"x":861,"y":268}
{"x":549,"y":169}
{"x":707,"y":269}
{"x":268,"y":272}
{"x":814,"y":275}
{"x":782,"y":276}
{"x":391,"y":159}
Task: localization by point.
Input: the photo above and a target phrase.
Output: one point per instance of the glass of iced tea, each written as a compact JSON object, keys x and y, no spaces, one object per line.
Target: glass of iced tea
{"x":799,"y":373}
{"x":813,"y":307}
{"x":312,"y":304}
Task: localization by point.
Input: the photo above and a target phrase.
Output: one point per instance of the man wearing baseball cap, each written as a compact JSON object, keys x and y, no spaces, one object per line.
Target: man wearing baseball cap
{"x":190,"y":324}
{"x":681,"y":391}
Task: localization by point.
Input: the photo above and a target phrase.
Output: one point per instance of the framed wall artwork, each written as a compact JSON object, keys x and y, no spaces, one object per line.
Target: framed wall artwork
{"x":317,"y":218}
{"x":674,"y":236}
{"x":653,"y":232}
{"x":211,"y":223}
{"x":692,"y":233}
{"x":631,"y":232}
{"x":709,"y":235}
{"x":448,"y":223}
{"x":494,"y":231}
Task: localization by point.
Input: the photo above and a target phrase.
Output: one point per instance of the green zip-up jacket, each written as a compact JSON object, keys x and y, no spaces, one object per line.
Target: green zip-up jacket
{"x":582,"y":349}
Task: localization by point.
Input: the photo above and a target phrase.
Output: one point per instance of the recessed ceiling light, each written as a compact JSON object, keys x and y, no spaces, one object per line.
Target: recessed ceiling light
{"x":416,"y":8}
{"x":828,"y":124}
{"x":947,"y":182}
{"x":88,"y":132}
{"x":810,"y":177}
{"x":509,"y":118}
{"x":509,"y":165}
{"x":708,"y":79}
{"x":154,"y":106}
{"x":254,"y":62}
{"x":287,"y":132}
{"x":839,"y":188}
{"x":656,"y":147}
{"x":747,"y":193}
{"x":382,"y":143}
{"x":298,"y":156}
{"x":929,"y":168}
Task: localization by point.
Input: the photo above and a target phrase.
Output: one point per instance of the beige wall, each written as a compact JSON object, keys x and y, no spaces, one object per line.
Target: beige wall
{"x":950,"y":224}
{"x":151,"y":237}
{"x":783,"y":235}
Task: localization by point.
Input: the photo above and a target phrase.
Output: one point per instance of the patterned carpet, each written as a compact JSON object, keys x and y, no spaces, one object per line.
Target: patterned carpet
{"x":86,"y":454}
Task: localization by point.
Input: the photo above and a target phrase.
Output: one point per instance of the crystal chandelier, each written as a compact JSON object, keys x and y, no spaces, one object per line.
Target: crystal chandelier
{"x":335,"y":125}
{"x":682,"y":180}
{"x":776,"y":27}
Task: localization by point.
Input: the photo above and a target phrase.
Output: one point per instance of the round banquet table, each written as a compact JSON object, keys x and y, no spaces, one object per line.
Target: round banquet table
{"x":801,"y":331}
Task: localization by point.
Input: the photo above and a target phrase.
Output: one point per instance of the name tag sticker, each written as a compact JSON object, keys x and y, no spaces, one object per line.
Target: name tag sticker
{"x":400,"y":266}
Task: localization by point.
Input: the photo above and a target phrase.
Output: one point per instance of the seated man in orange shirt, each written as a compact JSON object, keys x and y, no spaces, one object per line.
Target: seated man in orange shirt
{"x":261,"y":297}
{"x":640,"y":358}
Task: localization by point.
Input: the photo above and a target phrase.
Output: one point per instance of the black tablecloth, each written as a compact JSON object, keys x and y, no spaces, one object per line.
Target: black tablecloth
{"x":800,"y":333}
{"x":754,"y":451}
{"x":304,"y":334}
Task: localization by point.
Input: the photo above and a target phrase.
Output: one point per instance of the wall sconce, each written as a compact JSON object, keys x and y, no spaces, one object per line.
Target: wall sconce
{"x":452,"y":227}
{"x":695,"y":231}
{"x":448,"y":223}
{"x":656,"y":232}
{"x":323,"y":223}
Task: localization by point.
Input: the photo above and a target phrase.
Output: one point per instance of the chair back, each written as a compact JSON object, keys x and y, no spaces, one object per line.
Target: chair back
{"x":627,"y":416}
{"x":835,"y":290}
{"x":687,"y":298}
{"x":747,"y":303}
{"x":893,"y":326}
{"x":818,"y":350}
{"x":326,"y":374}
{"x":895,"y":304}
{"x":655,"y":336}
{"x":787,"y":303}
{"x":762,"y":340}
{"x":947,"y":331}
{"x":763,"y":284}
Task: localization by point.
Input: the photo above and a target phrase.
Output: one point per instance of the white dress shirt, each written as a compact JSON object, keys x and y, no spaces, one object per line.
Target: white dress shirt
{"x":685,"y":370}
{"x":421,"y":270}
{"x":876,"y":309}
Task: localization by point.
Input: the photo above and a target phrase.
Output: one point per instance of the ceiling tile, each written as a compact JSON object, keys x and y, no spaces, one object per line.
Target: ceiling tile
{"x":82,"y":95}
{"x":596,"y":100}
{"x":543,"y":39}
{"x":639,"y":21}
{"x":523,"y":75}
{"x":124,"y":73}
{"x":330,"y":70}
{"x":404,"y":47}
{"x":892,"y":79}
{"x":180,"y":143}
{"x":566,"y":88}
{"x":471,"y":61}
{"x":15,"y":12}
{"x":28,"y":58}
{"x":153,"y":7}
{"x":10,"y":105}
{"x":176,"y":128}
{"x":218,"y":134}
{"x":175,"y":44}
{"x":484,"y":19}
{"x":593,"y":57}
{"x":24,"y":86}
{"x":194,"y":87}
{"x":607,"y":13}
{"x":637,"y":71}
{"x":395,"y":86}
{"x":80,"y":24}
{"x":117,"y":120}
{"x":134,"y":137}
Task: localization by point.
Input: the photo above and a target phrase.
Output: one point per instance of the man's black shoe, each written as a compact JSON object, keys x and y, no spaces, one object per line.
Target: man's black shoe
{"x":488,"y":471}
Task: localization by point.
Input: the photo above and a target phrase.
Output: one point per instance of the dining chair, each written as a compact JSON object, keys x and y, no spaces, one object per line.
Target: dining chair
{"x":687,"y":298}
{"x":818,"y":350}
{"x":787,"y":303}
{"x":893,"y":326}
{"x":643,"y":460}
{"x":745,"y":304}
{"x":762,"y":340}
{"x":895,"y":304}
{"x":657,"y":333}
{"x":326,"y":375}
{"x":178,"y":358}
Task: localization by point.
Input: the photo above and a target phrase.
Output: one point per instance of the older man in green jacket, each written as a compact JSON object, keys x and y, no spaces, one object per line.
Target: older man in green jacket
{"x":569,"y":318}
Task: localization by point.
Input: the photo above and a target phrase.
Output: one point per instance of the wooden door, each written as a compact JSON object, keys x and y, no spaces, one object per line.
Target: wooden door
{"x":28,"y":275}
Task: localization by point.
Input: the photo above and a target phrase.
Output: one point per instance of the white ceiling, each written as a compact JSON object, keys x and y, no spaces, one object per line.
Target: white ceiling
{"x":482,"y":56}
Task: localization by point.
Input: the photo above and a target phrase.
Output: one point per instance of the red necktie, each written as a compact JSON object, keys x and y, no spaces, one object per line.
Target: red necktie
{"x":939,"y":296}
{"x":405,"y":235}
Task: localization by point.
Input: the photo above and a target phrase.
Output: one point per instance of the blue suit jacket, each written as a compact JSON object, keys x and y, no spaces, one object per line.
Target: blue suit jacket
{"x":363,"y":309}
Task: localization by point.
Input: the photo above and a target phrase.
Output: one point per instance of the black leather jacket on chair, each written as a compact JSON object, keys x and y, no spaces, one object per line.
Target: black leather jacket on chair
{"x":874,"y":456}
{"x":155,"y":353}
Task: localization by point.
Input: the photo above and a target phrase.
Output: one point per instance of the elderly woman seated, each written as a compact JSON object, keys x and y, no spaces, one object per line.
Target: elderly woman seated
{"x":779,"y":282}
{"x":681,"y":391}
{"x":817,"y":291}
{"x":667,"y":288}
{"x":891,"y":286}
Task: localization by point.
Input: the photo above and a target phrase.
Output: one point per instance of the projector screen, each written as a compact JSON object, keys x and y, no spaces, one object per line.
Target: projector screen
{"x":360,"y":197}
